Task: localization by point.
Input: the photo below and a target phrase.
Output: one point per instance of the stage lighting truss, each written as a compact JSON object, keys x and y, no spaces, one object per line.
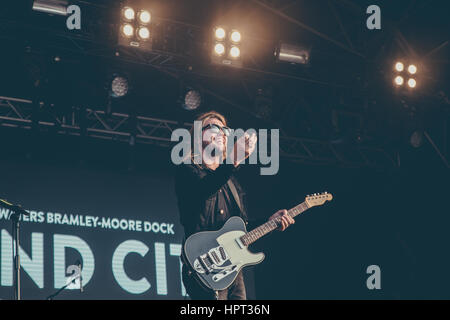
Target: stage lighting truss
{"x":19,"y":113}
{"x":226,"y":46}
{"x":405,"y":75}
{"x":135,"y":28}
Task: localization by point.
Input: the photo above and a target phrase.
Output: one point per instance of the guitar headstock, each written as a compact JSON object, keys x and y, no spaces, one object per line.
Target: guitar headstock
{"x":318,"y":199}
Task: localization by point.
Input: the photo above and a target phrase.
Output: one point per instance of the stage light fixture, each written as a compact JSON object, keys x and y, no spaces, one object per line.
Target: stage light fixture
{"x":412,"y":83}
{"x":220,"y":33}
{"x":235,"y":36}
{"x":235,"y":52}
{"x":412,"y":69}
{"x":128,"y":13}
{"x":294,"y":54}
{"x":402,"y":74}
{"x":119,"y":86}
{"x":219,"y":49}
{"x":192,"y":100}
{"x":226,"y":46}
{"x":58,"y":7}
{"x":144,"y":16}
{"x":127,"y":30}
{"x":135,"y":28}
{"x":399,"y":80}
{"x":144,"y":33}
{"x":399,"y":66}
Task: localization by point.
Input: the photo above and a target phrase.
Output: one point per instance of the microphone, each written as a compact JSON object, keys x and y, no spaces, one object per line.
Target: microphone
{"x":16,"y":209}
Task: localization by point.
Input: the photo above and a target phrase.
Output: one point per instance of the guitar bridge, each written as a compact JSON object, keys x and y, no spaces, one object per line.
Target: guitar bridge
{"x":211,"y":261}
{"x":219,"y":276}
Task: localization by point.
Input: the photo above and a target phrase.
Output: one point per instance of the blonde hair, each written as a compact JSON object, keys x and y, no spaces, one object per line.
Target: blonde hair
{"x":203,"y":117}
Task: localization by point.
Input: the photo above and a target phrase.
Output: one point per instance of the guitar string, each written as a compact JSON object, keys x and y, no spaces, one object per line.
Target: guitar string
{"x":262,"y":230}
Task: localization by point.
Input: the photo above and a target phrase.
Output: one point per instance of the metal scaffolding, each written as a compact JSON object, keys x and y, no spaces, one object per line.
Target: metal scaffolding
{"x":21,"y":113}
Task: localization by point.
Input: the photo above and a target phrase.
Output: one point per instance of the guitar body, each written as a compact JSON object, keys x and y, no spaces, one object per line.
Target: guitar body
{"x":216,"y":257}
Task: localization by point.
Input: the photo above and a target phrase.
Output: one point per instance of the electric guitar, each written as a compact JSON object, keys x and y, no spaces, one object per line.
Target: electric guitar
{"x":216,"y":257}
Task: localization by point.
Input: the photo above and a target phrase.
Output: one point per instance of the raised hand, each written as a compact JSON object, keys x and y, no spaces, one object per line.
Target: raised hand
{"x":244,"y":147}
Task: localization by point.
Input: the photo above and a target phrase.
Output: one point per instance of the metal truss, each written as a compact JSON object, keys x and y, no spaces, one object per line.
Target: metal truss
{"x":280,"y":12}
{"x":89,"y":43}
{"x":125,"y":128}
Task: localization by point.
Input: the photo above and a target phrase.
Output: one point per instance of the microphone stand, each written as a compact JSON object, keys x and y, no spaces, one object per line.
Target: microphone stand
{"x":14,"y":216}
{"x":52,"y":296}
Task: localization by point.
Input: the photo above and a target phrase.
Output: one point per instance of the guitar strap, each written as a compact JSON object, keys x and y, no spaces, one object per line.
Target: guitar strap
{"x":235,"y":194}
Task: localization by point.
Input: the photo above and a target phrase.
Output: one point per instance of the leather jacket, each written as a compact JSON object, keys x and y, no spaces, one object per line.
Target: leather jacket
{"x":205,"y":200}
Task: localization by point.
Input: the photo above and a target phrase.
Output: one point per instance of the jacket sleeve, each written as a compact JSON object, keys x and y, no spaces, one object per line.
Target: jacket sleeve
{"x":208,"y":183}
{"x":193,"y":186}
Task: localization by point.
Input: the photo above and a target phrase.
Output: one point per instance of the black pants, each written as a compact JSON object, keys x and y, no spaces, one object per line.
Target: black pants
{"x":196,"y":292}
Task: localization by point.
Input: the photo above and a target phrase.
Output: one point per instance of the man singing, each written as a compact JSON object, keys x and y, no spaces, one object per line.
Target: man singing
{"x":209,"y":194}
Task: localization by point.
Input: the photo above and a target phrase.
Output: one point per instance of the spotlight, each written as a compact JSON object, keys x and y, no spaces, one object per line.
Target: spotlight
{"x":127,"y":30}
{"x":226,"y":47}
{"x":219,"y":49}
{"x":235,"y":52}
{"x":235,"y":36}
{"x":58,"y":7}
{"x":402,"y":73}
{"x":128,"y":13}
{"x":412,"y":69}
{"x":135,"y":28}
{"x":144,"y":16}
{"x":220,"y":33}
{"x":144,"y":33}
{"x":192,"y":100}
{"x":294,"y":54}
{"x":399,"y":80}
{"x":399,"y":66}
{"x":412,"y":83}
{"x":119,"y":86}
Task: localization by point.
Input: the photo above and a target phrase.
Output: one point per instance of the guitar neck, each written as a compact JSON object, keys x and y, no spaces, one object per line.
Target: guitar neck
{"x":271,"y":225}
